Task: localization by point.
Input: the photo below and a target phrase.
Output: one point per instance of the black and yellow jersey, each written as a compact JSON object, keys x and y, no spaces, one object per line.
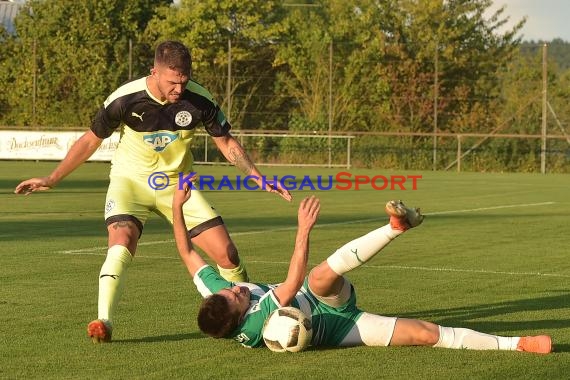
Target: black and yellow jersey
{"x":156,"y":135}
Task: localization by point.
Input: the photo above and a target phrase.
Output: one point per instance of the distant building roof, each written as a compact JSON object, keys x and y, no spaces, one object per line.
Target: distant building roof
{"x":8,"y":12}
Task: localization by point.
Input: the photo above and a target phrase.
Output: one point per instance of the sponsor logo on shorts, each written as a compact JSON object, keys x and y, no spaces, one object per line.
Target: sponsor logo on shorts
{"x":109,"y":206}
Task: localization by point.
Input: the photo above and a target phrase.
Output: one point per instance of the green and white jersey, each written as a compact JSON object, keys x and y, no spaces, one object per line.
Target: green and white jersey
{"x":330,"y":324}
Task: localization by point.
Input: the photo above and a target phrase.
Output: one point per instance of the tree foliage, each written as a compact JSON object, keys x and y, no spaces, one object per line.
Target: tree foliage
{"x":73,"y":53}
{"x":348,"y":65}
{"x":244,"y":32}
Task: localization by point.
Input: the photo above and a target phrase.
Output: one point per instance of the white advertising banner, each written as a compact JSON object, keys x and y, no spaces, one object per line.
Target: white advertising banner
{"x":38,"y":145}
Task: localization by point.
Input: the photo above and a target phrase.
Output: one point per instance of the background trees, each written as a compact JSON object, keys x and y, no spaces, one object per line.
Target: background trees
{"x":340,"y":65}
{"x":233,"y":48}
{"x":67,"y":56}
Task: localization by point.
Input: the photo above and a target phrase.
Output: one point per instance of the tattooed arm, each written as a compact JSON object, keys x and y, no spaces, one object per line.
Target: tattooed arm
{"x":236,"y":155}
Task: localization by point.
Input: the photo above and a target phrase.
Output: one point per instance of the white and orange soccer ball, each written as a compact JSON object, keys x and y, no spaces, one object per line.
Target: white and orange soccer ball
{"x":287,"y":329}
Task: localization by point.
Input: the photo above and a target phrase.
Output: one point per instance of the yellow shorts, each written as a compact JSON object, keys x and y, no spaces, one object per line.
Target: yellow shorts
{"x":133,"y":199}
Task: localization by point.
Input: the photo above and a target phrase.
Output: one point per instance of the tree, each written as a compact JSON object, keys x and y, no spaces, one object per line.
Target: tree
{"x":558,"y":51}
{"x":210,"y":28}
{"x":76,"y":52}
{"x":469,"y":53}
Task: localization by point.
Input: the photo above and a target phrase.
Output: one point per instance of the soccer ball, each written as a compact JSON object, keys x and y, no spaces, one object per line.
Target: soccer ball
{"x":287,"y":329}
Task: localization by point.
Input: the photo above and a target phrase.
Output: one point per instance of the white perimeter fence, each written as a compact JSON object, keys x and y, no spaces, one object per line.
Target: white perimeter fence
{"x":440,"y":151}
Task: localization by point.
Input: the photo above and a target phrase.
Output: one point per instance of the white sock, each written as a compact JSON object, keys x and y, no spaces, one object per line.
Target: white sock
{"x":360,"y":250}
{"x":453,"y":337}
{"x":112,"y":280}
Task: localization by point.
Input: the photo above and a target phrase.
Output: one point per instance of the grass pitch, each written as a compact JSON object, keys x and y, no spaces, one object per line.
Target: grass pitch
{"x":492,"y":255}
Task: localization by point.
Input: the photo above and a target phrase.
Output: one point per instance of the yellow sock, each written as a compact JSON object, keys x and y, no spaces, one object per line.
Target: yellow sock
{"x":237,"y":274}
{"x":112,"y":280}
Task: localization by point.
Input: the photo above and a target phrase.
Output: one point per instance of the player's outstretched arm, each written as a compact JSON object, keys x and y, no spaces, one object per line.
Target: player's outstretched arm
{"x":79,"y":152}
{"x":190,"y":257}
{"x":307,"y":217}
{"x":236,"y":155}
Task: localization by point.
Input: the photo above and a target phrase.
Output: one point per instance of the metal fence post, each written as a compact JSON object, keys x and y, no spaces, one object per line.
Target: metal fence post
{"x":458,"y":153}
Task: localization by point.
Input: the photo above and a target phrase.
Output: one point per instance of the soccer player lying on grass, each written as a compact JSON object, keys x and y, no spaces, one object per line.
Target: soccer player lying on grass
{"x":238,"y":310}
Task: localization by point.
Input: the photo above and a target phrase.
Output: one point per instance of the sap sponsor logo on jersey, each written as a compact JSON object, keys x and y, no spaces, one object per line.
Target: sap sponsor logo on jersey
{"x":160,"y":140}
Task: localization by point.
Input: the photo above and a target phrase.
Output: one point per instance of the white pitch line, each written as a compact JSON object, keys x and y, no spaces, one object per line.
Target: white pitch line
{"x":245,"y":233}
{"x":428,"y":269}
{"x":482,"y":271}
{"x":385,"y":267}
{"x":92,"y":250}
{"x":490,"y":208}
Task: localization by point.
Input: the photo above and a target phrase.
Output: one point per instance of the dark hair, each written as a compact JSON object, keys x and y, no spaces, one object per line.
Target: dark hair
{"x":174,"y":55}
{"x":214,"y":317}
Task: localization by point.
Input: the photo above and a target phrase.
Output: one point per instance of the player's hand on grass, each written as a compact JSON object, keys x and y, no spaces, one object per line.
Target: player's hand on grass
{"x":309,"y":212}
{"x":34,"y":184}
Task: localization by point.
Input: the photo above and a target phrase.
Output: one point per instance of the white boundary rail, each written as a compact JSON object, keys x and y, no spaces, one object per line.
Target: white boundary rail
{"x":240,"y":135}
{"x":52,"y":145}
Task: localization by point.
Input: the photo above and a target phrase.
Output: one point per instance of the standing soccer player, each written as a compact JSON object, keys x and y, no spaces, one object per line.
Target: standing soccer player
{"x":157,"y":116}
{"x":238,"y":310}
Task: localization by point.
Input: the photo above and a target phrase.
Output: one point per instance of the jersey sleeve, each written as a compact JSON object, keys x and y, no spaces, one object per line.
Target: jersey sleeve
{"x":208,"y":281}
{"x":215,"y":121}
{"x":213,"y":118}
{"x":108,"y":119}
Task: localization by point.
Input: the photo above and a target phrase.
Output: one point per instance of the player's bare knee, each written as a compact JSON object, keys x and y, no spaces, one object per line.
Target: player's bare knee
{"x":125,"y":233}
{"x":428,"y":335}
